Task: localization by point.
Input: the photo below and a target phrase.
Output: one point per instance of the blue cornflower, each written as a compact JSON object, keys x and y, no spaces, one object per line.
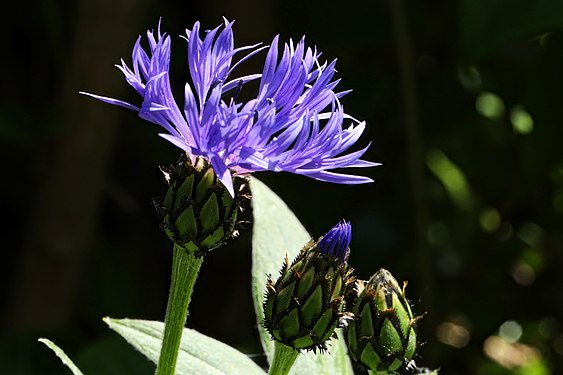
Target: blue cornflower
{"x":294,"y":124}
{"x":337,"y":241}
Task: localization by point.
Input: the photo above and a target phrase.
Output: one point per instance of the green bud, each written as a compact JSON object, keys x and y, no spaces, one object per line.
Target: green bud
{"x":197,"y":212}
{"x":303,"y":306}
{"x":381,"y":336}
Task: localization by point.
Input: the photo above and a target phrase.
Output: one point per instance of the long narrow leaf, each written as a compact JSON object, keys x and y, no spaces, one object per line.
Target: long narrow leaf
{"x":62,"y":355}
{"x":199,"y":354}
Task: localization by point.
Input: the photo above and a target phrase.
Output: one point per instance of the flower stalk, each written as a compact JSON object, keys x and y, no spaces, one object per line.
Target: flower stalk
{"x":284,"y":358}
{"x":185,"y":269}
{"x":199,"y":215}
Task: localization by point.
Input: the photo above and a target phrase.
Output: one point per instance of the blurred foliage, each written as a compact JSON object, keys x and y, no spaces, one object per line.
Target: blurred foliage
{"x":489,"y":87}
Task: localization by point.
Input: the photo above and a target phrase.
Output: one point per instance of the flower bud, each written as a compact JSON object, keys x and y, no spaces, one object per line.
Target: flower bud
{"x":197,"y":211}
{"x":303,"y":306}
{"x":381,"y":337}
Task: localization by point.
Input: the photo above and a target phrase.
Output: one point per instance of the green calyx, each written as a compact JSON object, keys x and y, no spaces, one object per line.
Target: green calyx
{"x":303,"y":306}
{"x":198,"y":213}
{"x":382,"y":336}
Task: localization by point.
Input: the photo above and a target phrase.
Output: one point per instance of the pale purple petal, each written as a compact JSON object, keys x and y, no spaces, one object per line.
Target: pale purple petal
{"x":105,"y":99}
{"x":223,"y":173}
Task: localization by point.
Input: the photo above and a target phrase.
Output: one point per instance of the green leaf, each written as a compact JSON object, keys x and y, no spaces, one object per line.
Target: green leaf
{"x":277,"y":232}
{"x":199,"y":354}
{"x":62,"y":355}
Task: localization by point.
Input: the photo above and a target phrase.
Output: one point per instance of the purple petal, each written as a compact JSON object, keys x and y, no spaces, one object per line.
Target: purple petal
{"x":117,"y":102}
{"x":337,"y":241}
{"x":223,"y":174}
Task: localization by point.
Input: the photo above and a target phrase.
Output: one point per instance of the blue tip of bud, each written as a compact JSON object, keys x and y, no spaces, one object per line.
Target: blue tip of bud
{"x":337,"y":241}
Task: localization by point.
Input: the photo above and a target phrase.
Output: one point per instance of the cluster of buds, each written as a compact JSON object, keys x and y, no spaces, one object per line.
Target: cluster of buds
{"x":304,"y":305}
{"x":318,"y":291}
{"x":198,"y":213}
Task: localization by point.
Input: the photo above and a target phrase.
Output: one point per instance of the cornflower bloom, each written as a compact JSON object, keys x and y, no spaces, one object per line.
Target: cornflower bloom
{"x":295,"y":123}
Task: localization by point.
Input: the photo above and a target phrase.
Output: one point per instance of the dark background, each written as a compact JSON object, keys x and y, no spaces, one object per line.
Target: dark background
{"x":463,"y":101}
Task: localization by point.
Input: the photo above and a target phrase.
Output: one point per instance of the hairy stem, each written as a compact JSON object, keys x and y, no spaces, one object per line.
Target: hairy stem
{"x":284,"y":358}
{"x":185,"y":268}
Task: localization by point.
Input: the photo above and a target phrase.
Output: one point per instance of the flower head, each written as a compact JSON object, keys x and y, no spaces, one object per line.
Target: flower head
{"x":294,"y":124}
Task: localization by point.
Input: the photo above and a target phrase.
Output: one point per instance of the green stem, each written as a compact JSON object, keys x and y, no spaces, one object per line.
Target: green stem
{"x":185,"y":268}
{"x":284,"y":358}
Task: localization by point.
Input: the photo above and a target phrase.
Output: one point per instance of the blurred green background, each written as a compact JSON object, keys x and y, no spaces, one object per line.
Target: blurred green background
{"x":463,"y":101}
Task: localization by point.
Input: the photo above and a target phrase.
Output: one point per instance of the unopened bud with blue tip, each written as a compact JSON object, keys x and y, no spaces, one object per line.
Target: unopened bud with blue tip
{"x":337,"y":241}
{"x":303,"y":306}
